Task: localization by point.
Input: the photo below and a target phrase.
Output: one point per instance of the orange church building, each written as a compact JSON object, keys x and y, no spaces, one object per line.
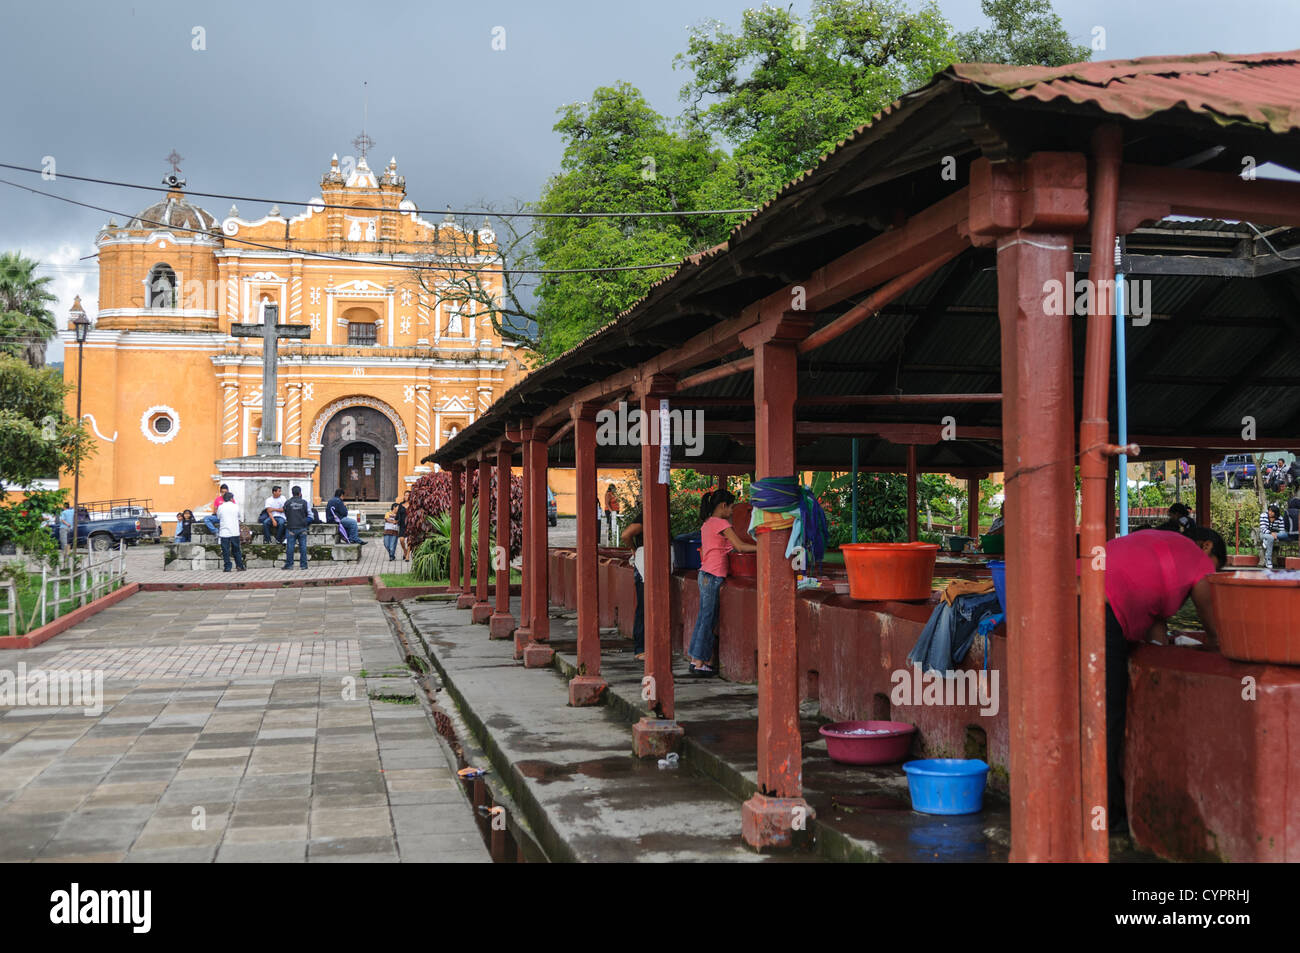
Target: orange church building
{"x":402,"y":352}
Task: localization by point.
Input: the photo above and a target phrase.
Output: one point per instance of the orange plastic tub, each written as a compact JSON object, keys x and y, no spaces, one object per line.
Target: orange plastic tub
{"x":1257,"y":616}
{"x":899,"y":571}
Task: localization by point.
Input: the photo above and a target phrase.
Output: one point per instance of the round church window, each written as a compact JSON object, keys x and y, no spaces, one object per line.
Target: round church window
{"x":159,"y":424}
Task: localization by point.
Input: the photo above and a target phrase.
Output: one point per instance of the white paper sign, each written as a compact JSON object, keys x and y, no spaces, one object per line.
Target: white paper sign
{"x":665,"y":442}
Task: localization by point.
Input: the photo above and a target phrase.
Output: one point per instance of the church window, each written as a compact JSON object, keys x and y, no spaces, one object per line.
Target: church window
{"x":162,"y":286}
{"x":361,"y":332}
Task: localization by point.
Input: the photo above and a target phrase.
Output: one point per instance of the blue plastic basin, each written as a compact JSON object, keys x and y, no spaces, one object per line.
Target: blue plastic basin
{"x":686,"y":550}
{"x":999,"y":569}
{"x":947,"y":785}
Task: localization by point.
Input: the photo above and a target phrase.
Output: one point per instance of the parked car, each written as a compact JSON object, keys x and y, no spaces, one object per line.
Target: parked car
{"x":1235,"y":470}
{"x":552,"y":511}
{"x":102,"y":525}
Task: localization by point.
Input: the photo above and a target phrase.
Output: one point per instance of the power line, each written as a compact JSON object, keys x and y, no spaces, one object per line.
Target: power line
{"x":345,"y":258}
{"x":366,"y":208}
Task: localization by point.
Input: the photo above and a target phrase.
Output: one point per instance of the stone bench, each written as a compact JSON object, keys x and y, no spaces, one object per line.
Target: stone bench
{"x":317,"y":533}
{"x":195,"y":556}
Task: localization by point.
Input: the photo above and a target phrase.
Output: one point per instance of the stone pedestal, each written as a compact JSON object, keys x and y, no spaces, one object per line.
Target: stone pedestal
{"x":523,"y":637}
{"x":655,"y":737}
{"x":586,"y":690}
{"x":250,"y":479}
{"x":501,"y":625}
{"x":480,"y":613}
{"x":775,"y":823}
{"x":538,"y":655}
{"x":465,"y":600}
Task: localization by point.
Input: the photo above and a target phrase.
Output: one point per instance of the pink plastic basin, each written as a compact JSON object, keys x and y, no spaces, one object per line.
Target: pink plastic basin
{"x":892,"y":743}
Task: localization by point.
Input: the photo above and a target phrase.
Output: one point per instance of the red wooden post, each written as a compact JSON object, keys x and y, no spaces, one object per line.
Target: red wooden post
{"x":1094,"y":431}
{"x":524,"y":631}
{"x":973,"y":507}
{"x":587,"y":686}
{"x":1030,"y":210}
{"x":482,"y":609}
{"x":502,"y":624}
{"x":535,"y":652}
{"x":466,"y":599}
{"x":453,"y":575}
{"x":772,"y":817}
{"x":911,"y":493}
{"x":657,"y":733}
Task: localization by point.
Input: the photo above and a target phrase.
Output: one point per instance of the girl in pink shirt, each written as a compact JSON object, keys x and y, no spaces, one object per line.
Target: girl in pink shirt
{"x":717,"y":540}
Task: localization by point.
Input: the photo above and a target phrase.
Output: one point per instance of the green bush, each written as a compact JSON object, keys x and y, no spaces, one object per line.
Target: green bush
{"x":431,"y":560}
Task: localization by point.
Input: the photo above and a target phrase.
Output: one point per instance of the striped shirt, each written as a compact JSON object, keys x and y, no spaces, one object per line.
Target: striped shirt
{"x":1267,"y":525}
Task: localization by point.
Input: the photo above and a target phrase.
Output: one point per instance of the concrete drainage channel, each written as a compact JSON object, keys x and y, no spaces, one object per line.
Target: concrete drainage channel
{"x":508,"y":838}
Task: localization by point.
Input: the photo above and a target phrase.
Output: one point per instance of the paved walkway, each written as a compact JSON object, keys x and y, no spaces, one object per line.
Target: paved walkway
{"x":236,"y":726}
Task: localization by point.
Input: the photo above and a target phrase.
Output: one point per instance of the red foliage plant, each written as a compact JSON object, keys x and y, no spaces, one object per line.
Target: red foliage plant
{"x":431,"y":496}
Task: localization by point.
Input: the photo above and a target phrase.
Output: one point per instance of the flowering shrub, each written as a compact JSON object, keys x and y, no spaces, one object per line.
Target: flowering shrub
{"x":430,"y":496}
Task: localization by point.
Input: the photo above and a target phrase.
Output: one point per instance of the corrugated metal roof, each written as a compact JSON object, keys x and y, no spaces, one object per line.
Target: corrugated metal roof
{"x":1261,"y":89}
{"x":877,"y":165}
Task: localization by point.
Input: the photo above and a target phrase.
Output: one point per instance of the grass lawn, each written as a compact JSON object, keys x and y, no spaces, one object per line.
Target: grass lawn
{"x":395,"y":579}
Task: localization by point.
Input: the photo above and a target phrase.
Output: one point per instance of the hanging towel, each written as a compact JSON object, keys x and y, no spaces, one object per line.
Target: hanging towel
{"x":966,"y":587}
{"x":788,"y":497}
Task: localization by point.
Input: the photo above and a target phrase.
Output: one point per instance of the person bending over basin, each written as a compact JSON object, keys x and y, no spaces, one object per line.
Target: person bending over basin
{"x":1149,"y":576}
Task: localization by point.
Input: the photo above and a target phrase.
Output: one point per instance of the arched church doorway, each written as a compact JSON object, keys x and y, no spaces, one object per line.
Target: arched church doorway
{"x":359,"y":471}
{"x":358,"y":453}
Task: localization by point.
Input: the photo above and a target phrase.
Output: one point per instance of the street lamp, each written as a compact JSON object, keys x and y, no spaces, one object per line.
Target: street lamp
{"x":80,"y":326}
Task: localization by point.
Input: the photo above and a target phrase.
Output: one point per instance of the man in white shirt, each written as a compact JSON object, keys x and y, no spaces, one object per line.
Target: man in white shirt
{"x":273,"y":521}
{"x":228,"y":531}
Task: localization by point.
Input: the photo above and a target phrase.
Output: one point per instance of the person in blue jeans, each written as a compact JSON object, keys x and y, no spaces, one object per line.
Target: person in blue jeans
{"x":336,"y":511}
{"x":717,"y":540}
{"x":297,"y":517}
{"x":212,"y":522}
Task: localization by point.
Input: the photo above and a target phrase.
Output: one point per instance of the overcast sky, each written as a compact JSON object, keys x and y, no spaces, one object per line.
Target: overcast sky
{"x":110,"y":88}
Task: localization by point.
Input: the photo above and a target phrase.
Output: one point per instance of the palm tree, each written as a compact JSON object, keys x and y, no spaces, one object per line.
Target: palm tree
{"x":26,"y":324}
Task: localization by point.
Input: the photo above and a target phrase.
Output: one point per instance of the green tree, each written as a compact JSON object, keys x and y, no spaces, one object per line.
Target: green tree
{"x":26,"y":324}
{"x":620,"y":154}
{"x":37,"y":437}
{"x":1021,"y":33}
{"x":783,"y":91}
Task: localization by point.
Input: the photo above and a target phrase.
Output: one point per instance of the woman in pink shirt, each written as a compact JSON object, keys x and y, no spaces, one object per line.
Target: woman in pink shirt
{"x":1149,"y":575}
{"x":717,"y":540}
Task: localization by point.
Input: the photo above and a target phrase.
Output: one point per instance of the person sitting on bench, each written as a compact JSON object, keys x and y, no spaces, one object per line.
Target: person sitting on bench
{"x":337,"y":512}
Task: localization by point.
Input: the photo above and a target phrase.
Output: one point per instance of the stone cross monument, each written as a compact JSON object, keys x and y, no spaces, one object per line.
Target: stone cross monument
{"x":268,"y":443}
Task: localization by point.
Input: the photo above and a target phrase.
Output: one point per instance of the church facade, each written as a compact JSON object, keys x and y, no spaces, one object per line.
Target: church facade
{"x":401,"y":354}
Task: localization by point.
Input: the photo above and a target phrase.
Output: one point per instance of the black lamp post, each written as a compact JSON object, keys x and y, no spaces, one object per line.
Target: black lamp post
{"x":80,"y":326}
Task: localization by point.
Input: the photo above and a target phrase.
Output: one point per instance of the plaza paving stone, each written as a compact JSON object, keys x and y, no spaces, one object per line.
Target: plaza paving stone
{"x":236,"y":727}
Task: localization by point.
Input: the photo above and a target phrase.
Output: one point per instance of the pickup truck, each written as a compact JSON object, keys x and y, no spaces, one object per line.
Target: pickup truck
{"x":102,"y":525}
{"x":1235,"y":470}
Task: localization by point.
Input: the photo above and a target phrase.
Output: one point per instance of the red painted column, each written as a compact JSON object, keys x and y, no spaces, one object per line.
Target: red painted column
{"x":502,"y":624}
{"x":535,"y":652}
{"x":482,"y":609}
{"x":912,"y":534}
{"x":1029,"y":210}
{"x":658,"y":732}
{"x":1042,"y":621}
{"x":453,"y":575}
{"x":777,"y":813}
{"x":973,"y":507}
{"x":524,"y":632}
{"x":466,"y":599}
{"x":587,"y":687}
{"x":1094,"y":438}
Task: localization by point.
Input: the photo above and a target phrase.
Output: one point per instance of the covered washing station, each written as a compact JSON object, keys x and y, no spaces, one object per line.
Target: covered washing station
{"x":901,"y":293}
